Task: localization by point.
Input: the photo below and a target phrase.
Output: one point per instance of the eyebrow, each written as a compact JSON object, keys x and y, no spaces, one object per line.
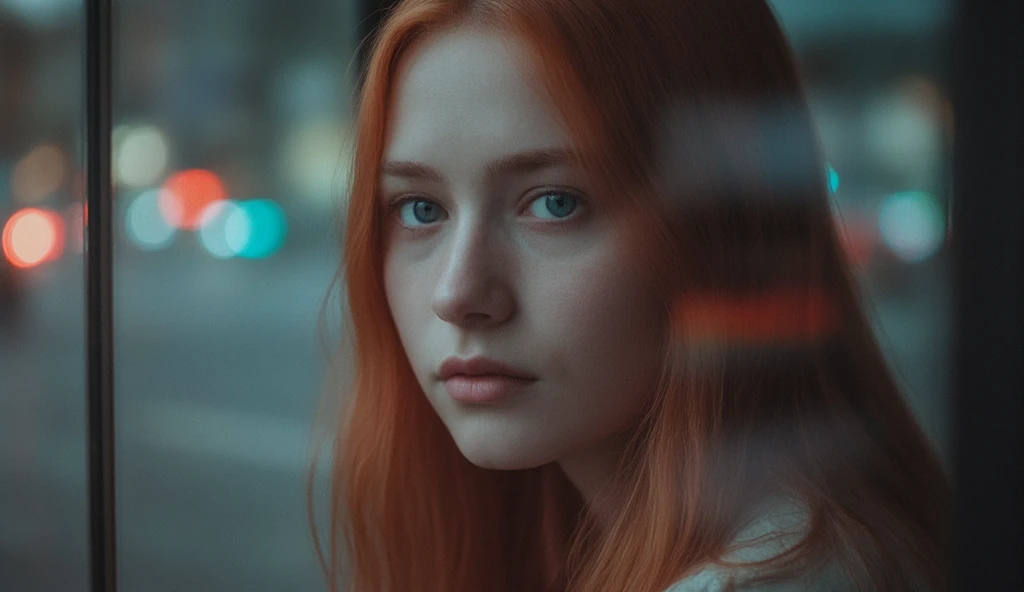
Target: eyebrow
{"x":519,"y":162}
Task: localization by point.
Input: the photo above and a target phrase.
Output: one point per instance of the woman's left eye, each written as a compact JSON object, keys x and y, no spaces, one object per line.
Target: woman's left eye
{"x":558,"y":204}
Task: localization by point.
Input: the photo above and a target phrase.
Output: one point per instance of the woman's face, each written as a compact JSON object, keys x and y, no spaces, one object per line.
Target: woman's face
{"x":493,"y":248}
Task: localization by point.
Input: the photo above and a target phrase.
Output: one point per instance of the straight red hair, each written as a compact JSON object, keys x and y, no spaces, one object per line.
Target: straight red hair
{"x":691,"y":114}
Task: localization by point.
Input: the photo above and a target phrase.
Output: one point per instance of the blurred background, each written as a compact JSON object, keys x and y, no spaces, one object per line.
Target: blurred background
{"x":230,"y":120}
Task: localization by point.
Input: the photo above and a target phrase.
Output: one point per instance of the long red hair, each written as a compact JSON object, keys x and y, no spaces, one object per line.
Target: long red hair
{"x":691,"y":114}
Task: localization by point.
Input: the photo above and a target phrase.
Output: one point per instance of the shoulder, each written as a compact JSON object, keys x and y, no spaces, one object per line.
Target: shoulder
{"x":779,"y":526}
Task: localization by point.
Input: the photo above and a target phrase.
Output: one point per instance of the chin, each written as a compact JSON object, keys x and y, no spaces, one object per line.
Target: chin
{"x":491,"y":455}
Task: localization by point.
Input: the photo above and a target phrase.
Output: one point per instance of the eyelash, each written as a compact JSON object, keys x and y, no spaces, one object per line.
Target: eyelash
{"x":396,"y":204}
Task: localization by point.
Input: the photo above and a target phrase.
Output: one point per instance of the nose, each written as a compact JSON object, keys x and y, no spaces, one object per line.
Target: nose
{"x":474,"y":288}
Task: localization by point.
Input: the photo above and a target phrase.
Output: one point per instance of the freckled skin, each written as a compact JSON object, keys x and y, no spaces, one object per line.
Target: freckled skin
{"x":498,"y":274}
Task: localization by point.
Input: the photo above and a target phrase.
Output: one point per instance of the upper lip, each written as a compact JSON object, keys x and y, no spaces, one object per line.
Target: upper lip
{"x":479,"y":366}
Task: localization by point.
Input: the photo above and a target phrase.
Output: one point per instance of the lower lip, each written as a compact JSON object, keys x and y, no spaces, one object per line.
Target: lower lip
{"x":484,"y":389}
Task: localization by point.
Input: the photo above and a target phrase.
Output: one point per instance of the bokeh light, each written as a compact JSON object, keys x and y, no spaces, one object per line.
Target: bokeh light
{"x":253,"y":229}
{"x":145,"y":223}
{"x":192,"y":190}
{"x":170,"y":208}
{"x":238,"y":229}
{"x":38,"y":174}
{"x":310,"y":160}
{"x":833,"y":178}
{"x":140,"y":155}
{"x":778,"y":316}
{"x":912,"y":225}
{"x":904,"y":129}
{"x":33,"y":236}
{"x":214,"y":229}
{"x":267,"y":227}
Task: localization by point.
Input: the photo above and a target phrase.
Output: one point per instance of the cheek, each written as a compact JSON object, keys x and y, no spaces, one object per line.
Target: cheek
{"x":611,"y":328}
{"x":403,"y":295}
{"x":621,"y":329}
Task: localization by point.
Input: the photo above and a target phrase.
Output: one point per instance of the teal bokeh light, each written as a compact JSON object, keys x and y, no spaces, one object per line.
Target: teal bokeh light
{"x":912,"y":225}
{"x":267,"y":228}
{"x":833,"y":178}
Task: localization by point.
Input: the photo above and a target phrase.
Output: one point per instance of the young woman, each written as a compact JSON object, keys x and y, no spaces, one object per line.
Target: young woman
{"x":604,"y":334}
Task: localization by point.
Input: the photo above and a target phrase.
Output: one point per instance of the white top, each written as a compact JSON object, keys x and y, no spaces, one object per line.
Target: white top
{"x":772,"y":533}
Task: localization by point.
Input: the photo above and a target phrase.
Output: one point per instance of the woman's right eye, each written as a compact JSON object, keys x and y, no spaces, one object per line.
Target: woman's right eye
{"x":414,"y":212}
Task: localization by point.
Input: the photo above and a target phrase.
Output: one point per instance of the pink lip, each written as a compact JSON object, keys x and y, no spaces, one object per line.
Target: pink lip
{"x":482,"y":380}
{"x":484,"y":389}
{"x":479,"y":366}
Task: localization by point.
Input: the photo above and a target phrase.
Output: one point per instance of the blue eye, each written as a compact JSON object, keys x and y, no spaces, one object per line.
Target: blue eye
{"x":422,"y":211}
{"x":557,"y":203}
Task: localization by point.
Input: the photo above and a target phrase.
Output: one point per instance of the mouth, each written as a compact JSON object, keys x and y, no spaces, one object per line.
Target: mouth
{"x":484,"y":389}
{"x":481,"y":367}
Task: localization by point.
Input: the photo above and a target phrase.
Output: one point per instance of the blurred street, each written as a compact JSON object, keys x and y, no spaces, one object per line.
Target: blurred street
{"x":215,"y":406}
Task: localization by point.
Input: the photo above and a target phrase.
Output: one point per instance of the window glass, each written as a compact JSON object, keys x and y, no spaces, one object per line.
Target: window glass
{"x":877,"y":77}
{"x":228,"y":124}
{"x":230,"y":127}
{"x":43,"y":507}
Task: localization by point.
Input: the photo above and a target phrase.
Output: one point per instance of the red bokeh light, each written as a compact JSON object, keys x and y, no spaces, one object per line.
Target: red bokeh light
{"x":193,"y":190}
{"x":779,"y":315}
{"x":33,"y":236}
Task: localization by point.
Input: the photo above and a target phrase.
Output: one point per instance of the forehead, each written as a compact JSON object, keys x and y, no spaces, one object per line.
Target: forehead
{"x":467,"y":94}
